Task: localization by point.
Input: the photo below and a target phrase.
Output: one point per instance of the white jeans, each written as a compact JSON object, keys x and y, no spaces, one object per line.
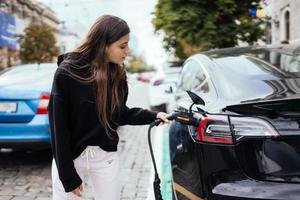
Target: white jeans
{"x":101,"y":166}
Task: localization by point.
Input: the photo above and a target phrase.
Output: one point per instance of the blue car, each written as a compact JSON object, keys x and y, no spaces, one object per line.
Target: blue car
{"x":24,"y":97}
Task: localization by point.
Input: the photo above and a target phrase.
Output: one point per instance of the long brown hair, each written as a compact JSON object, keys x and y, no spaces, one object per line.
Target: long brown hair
{"x":106,"y":30}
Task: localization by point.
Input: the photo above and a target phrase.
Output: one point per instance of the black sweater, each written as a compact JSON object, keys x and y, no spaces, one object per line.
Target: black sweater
{"x":74,"y":122}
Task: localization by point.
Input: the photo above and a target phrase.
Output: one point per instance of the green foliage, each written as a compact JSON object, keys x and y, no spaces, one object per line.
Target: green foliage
{"x":191,"y":26}
{"x":136,"y":64}
{"x":38,"y":44}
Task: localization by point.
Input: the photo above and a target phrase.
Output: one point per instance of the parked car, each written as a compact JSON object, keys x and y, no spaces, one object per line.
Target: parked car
{"x":247,"y":146}
{"x":146,"y":77}
{"x":24,"y":97}
{"x":161,"y":86}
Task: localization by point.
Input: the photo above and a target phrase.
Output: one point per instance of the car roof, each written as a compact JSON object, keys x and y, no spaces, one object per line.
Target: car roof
{"x":37,"y":64}
{"x":289,"y":49}
{"x":28,"y":73}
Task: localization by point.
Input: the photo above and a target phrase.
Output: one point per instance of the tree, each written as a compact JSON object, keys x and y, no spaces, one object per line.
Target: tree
{"x":38,"y":44}
{"x":191,"y":26}
{"x":136,"y":64}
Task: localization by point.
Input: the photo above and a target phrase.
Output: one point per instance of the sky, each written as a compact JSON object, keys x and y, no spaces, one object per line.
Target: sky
{"x":79,"y":15}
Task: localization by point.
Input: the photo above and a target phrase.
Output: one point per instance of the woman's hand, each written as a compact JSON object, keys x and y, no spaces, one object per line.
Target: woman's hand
{"x":78,"y":191}
{"x":163,"y":117}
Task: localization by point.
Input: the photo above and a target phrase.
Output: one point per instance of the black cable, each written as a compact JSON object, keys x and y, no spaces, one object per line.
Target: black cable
{"x":156,"y":182}
{"x":181,"y":117}
{"x":150,"y":147}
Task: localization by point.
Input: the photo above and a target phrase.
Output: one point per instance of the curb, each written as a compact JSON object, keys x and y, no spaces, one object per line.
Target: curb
{"x":160,"y":138}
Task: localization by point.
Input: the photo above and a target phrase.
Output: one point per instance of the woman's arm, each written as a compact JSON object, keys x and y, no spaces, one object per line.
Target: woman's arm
{"x":136,"y":116}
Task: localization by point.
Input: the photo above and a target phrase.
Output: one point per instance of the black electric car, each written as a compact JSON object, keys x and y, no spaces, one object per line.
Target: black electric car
{"x":247,"y":144}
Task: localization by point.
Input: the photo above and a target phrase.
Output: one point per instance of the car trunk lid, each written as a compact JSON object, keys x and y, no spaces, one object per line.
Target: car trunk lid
{"x":275,"y":156}
{"x":18,"y":106}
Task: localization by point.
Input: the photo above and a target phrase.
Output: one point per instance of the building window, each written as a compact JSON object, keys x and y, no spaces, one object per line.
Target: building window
{"x":13,"y":9}
{"x":287,"y":25}
{"x":285,"y":32}
{"x":24,"y":14}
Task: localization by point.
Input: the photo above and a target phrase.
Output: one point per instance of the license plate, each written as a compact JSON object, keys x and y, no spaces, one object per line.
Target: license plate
{"x":8,"y":107}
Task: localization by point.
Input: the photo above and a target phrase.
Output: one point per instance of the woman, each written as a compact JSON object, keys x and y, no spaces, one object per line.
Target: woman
{"x":88,"y":103}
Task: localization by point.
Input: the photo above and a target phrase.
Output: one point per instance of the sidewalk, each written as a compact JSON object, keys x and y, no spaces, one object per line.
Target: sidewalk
{"x":135,"y":164}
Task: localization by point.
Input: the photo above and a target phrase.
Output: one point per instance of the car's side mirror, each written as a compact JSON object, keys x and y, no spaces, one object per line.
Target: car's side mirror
{"x":195,"y":98}
{"x":170,"y":90}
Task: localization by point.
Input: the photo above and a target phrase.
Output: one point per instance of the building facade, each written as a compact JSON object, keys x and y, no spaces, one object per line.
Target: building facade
{"x":15,"y":16}
{"x":284,"y":22}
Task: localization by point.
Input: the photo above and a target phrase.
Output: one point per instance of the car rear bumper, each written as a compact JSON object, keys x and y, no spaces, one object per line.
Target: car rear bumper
{"x":22,"y":144}
{"x":252,"y":189}
{"x":226,"y":180}
{"x":35,"y":134}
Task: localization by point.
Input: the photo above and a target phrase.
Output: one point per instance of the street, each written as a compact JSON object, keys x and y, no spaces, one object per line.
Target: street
{"x":227,"y":73}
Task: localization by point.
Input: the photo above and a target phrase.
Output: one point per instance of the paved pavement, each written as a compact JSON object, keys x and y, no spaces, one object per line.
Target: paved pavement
{"x":26,"y":175}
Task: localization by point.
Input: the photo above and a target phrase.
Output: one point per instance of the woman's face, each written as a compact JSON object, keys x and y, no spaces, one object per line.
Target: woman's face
{"x":118,"y":50}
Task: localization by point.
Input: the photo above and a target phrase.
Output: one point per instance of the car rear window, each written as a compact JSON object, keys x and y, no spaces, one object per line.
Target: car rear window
{"x":259,"y":61}
{"x":255,"y":67}
{"x":28,"y":73}
{"x":247,"y":65}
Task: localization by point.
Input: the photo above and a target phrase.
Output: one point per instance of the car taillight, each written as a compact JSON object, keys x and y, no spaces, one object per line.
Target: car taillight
{"x":216,"y":129}
{"x":43,"y":104}
{"x":143,"y":79}
{"x":158,"y":82}
{"x":287,"y":126}
{"x":251,"y":127}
